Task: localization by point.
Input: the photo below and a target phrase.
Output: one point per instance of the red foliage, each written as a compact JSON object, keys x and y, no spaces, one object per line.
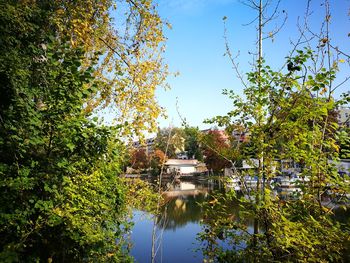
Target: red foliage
{"x":215,"y":147}
{"x":158,"y":156}
{"x":139,"y":159}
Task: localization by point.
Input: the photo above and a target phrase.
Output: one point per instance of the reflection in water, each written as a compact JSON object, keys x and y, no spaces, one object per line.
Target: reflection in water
{"x":183,"y":202}
{"x":182,"y":217}
{"x":177,"y":225}
{"x":182,"y":209}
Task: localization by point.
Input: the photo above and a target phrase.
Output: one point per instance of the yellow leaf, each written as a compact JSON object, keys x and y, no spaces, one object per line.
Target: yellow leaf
{"x":325,"y":209}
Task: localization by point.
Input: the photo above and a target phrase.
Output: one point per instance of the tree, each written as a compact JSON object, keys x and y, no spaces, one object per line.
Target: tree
{"x":343,"y":140}
{"x":170,"y":141}
{"x":215,"y":150}
{"x":293,"y":127}
{"x":192,"y":143}
{"x":139,"y":159}
{"x":62,"y":199}
{"x":288,"y":114}
{"x":157,"y":160}
{"x":131,"y":65}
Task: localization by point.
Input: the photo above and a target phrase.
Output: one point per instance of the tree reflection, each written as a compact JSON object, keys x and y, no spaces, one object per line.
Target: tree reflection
{"x":180,"y":210}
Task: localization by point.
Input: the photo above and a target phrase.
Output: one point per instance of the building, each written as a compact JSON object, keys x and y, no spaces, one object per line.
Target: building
{"x":182,"y":155}
{"x":148,"y":145}
{"x":240,"y":136}
{"x":221,"y":133}
{"x":344,"y":117}
{"x":182,"y":167}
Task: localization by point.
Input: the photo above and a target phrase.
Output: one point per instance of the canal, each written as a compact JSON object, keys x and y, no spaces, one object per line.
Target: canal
{"x":175,"y":235}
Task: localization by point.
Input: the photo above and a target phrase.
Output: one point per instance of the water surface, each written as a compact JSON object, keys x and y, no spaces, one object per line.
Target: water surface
{"x":177,"y":227}
{"x":180,"y":219}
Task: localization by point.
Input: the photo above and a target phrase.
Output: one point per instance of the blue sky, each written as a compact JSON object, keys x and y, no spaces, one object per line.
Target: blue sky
{"x":195,"y":49}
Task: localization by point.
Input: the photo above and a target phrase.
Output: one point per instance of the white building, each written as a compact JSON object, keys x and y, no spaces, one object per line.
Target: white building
{"x":148,"y":145}
{"x":344,"y":117}
{"x":178,"y":166}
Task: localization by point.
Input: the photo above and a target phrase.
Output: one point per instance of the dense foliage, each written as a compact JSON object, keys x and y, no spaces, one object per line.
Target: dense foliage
{"x":193,"y":143}
{"x":61,"y":197}
{"x":343,"y":140}
{"x":288,"y":118}
{"x":139,"y":159}
{"x":215,"y":149}
{"x":171,"y":141}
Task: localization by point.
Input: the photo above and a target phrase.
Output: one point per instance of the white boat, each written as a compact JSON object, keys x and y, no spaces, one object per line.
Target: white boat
{"x":289,"y":181}
{"x":234,"y":183}
{"x":251,"y":181}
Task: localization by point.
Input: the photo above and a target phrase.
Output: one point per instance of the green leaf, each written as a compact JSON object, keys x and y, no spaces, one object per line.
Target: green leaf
{"x":70,"y":146}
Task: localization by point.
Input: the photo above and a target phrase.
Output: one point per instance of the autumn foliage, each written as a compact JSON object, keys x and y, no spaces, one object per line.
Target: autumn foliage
{"x":139,"y":159}
{"x":60,"y":62}
{"x":215,"y":147}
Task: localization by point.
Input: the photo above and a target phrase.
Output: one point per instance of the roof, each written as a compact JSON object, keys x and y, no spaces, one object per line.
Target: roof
{"x":181,"y":162}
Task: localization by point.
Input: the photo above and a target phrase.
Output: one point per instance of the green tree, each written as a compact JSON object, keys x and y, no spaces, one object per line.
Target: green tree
{"x":61,"y":197}
{"x":52,"y":170}
{"x":343,"y":140}
{"x":288,"y":121}
{"x":290,"y":116}
{"x":192,"y":143}
{"x":170,"y":141}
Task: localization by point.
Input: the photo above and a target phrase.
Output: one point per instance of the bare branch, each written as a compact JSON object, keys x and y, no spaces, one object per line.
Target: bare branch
{"x":277,"y":30}
{"x":273,"y":15}
{"x":235,"y":65}
{"x":299,"y":40}
{"x":339,"y":51}
{"x":340,"y":84}
{"x":251,"y":22}
{"x":250,"y":4}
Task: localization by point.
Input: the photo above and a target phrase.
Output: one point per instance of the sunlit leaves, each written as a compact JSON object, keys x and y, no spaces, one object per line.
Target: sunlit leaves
{"x":289,"y":116}
{"x":128,"y":42}
{"x":61,"y":196}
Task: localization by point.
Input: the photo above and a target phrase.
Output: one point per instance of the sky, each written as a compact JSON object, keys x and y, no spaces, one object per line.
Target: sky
{"x":196,"y":47}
